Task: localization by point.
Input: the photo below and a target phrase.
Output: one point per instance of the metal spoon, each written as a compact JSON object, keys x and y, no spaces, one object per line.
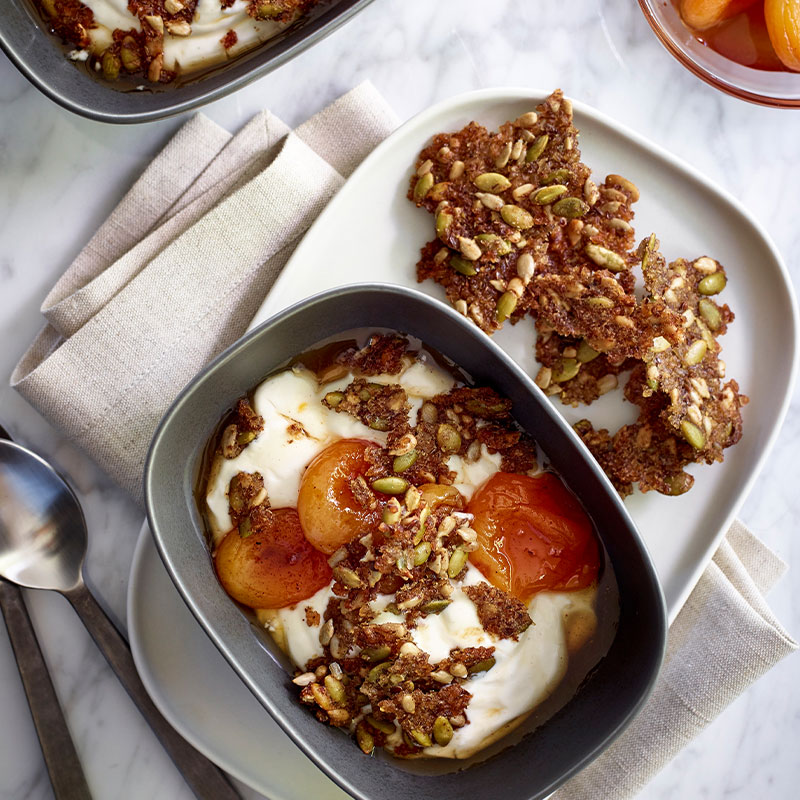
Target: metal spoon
{"x":42,"y":546}
{"x":60,"y":757}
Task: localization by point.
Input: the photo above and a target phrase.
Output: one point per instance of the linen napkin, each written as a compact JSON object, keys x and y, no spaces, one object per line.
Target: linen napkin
{"x":176,"y":274}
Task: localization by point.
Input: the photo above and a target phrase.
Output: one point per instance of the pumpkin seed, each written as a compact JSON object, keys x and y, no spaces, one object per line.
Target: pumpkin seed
{"x":693,"y":434}
{"x":375,"y":673}
{"x":604,"y":257}
{"x":268,"y":10}
{"x":505,"y":306}
{"x":492,"y":182}
{"x":444,"y":220}
{"x":567,"y":369}
{"x":379,"y":424}
{"x":462,"y":266}
{"x":421,"y":738}
{"x":435,"y":606}
{"x":710,"y":313}
{"x":537,"y":148}
{"x":403,"y":462}
{"x":493,"y":243}
{"x":586,"y":352}
{"x":556,"y":176}
{"x":111,"y":64}
{"x":365,"y":739}
{"x":245,"y":528}
{"x":335,"y":689}
{"x":391,"y":484}
{"x":448,"y":438}
{"x":382,"y":725}
{"x":570,"y":207}
{"x":442,"y":731}
{"x":679,"y":484}
{"x":547,"y":194}
{"x":423,"y":186}
{"x":457,"y":562}
{"x":129,"y":53}
{"x":696,"y":353}
{"x":245,"y":437}
{"x":347,"y":576}
{"x":376,"y":653}
{"x":482,"y":666}
{"x":422,"y":553}
{"x":516,"y":217}
{"x":333,"y":399}
{"x":712,"y":284}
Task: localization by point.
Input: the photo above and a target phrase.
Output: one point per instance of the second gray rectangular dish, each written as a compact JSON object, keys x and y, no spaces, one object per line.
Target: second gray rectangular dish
{"x":43,"y":60}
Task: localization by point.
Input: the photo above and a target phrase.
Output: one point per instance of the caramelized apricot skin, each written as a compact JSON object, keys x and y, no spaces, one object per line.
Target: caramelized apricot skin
{"x":273,"y":567}
{"x":329,"y":513}
{"x":783,"y":25}
{"x":533,"y":536}
{"x":703,"y":14}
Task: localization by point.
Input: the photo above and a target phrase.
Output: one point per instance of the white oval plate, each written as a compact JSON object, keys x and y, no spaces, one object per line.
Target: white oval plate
{"x":370,"y":232}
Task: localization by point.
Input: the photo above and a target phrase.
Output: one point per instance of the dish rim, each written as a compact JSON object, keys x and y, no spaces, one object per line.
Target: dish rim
{"x":261,"y":63}
{"x":553,"y":419}
{"x":510,"y":94}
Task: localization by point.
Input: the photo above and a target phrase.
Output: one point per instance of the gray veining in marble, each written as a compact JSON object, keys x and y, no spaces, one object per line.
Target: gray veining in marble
{"x":60,"y":175}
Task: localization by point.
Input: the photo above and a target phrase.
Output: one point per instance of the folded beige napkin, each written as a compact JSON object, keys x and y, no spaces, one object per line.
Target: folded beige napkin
{"x":176,"y":274}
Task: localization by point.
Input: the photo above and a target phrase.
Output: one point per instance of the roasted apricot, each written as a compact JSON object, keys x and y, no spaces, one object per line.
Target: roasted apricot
{"x":330,"y":513}
{"x":275,"y":565}
{"x":533,"y":535}
{"x":783,"y":24}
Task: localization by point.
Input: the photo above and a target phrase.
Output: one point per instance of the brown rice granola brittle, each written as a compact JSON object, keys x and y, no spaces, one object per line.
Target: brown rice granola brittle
{"x":496,"y":198}
{"x":647,"y":452}
{"x":592,"y":305}
{"x":705,"y":411}
{"x":573,"y":369}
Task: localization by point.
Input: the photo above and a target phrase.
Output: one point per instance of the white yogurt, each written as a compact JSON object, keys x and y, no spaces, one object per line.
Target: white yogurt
{"x":203,"y":47}
{"x":525,"y":672}
{"x":281,"y":455}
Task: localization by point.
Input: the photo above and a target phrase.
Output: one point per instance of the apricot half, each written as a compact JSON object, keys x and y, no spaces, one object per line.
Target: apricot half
{"x":329,"y":511}
{"x":533,"y":535}
{"x":273,"y":567}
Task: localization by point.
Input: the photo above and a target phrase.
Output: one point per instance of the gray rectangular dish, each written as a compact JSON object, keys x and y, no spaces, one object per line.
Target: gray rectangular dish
{"x":40,"y":57}
{"x":542,"y":760}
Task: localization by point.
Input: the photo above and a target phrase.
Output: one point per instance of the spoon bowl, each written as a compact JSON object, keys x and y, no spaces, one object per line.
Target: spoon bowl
{"x":42,"y":528}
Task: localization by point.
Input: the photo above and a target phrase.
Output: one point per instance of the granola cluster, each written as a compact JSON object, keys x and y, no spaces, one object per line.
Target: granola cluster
{"x":523,"y":229}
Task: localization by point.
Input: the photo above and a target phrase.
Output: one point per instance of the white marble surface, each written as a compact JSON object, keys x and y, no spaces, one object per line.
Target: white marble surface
{"x":60,"y":175}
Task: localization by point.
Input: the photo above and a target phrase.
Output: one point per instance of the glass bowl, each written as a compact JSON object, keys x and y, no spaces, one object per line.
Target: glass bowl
{"x":776,"y":89}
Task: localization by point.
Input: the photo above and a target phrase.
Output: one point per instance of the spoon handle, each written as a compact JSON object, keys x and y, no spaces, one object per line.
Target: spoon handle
{"x":206,"y":780}
{"x":60,"y":756}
